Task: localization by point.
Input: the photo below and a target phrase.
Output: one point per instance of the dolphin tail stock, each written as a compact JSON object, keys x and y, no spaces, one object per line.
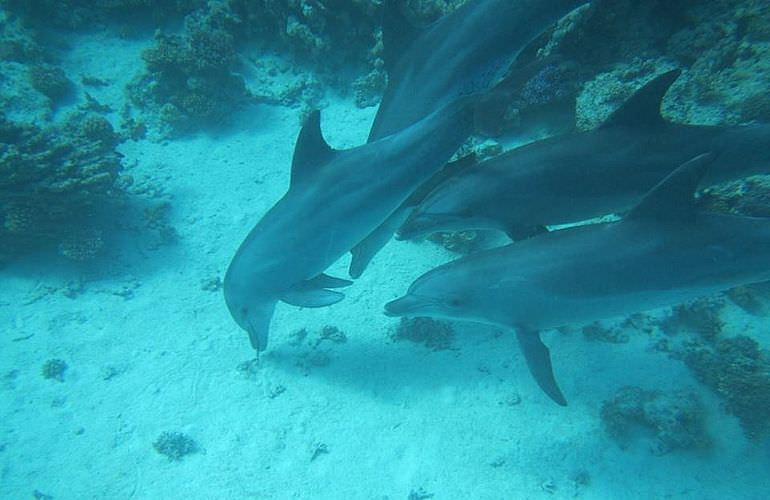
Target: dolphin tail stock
{"x":366,"y":249}
{"x":538,"y":359}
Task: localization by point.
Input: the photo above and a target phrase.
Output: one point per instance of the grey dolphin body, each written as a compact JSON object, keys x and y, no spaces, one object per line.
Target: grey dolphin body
{"x":465,"y":52}
{"x":582,"y":175}
{"x":335,"y":199}
{"x":662,"y":253}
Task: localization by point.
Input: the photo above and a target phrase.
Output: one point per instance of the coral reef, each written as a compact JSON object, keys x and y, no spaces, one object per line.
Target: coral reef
{"x":54,"y":369}
{"x":76,"y":14}
{"x":670,"y":421}
{"x":749,"y":197}
{"x":56,"y":185}
{"x":739,"y":372}
{"x":436,"y":335}
{"x":50,"y":81}
{"x":614,"y":46}
{"x":175,"y":445}
{"x":190,"y":80}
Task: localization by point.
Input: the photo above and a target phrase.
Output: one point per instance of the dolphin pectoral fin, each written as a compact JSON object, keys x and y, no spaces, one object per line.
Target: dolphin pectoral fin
{"x":326,"y":281}
{"x":538,"y":359}
{"x":318,"y":297}
{"x":519,"y":232}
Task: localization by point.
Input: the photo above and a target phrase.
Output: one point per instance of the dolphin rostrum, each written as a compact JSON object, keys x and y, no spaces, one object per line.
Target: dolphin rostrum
{"x":662,"y":253}
{"x":583,"y":175}
{"x":465,"y":52}
{"x":335,"y":199}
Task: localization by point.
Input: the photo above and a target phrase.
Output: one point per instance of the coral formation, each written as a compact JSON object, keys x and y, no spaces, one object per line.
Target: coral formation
{"x":749,"y":197}
{"x":54,"y":369}
{"x":671,"y":421}
{"x":175,"y":445}
{"x":75,"y":14}
{"x":738,"y":371}
{"x":436,"y":335}
{"x":700,"y":316}
{"x":600,"y":333}
{"x":751,"y":298}
{"x":55,"y":186}
{"x":463,"y":242}
{"x":190,"y":80}
{"x":50,"y":81}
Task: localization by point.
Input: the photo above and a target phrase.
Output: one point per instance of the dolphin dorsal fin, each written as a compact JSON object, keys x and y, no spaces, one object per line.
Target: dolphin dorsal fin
{"x":398,"y":34}
{"x":642,"y":110}
{"x":673,"y":199}
{"x":311,"y":148}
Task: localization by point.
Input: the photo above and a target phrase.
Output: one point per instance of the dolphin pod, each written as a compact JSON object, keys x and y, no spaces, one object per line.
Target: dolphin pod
{"x":583,"y":175}
{"x":662,"y":252}
{"x":337,"y":198}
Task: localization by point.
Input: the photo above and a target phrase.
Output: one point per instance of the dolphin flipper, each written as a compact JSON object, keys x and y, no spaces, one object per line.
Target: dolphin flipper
{"x":539,"y":363}
{"x":518,"y":232}
{"x":326,"y":281}
{"x":318,"y":297}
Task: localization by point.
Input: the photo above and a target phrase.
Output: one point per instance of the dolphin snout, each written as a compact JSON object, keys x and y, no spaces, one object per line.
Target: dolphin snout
{"x":403,"y":306}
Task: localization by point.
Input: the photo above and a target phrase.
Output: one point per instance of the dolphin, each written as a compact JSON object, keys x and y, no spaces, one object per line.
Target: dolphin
{"x":662,"y":253}
{"x":468,"y":51}
{"x":583,"y":175}
{"x":335,"y":199}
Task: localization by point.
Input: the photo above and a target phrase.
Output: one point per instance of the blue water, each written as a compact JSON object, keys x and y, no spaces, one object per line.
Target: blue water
{"x":141,"y":142}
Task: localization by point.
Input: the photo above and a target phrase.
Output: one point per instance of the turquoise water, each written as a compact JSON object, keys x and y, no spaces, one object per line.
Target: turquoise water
{"x":140,"y":142}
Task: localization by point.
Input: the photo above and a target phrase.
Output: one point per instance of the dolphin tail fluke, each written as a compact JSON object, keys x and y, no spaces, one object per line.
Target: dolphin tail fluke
{"x":539,"y":363}
{"x":259,"y":325}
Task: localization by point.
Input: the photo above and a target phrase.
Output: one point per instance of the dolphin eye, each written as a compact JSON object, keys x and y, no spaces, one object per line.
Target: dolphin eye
{"x":454,"y":301}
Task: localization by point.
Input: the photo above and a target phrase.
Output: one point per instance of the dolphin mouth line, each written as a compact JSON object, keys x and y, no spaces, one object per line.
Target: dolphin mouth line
{"x":407,"y":305}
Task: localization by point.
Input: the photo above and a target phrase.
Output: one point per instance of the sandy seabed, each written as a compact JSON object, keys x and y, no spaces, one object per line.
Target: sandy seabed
{"x":149,"y":351}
